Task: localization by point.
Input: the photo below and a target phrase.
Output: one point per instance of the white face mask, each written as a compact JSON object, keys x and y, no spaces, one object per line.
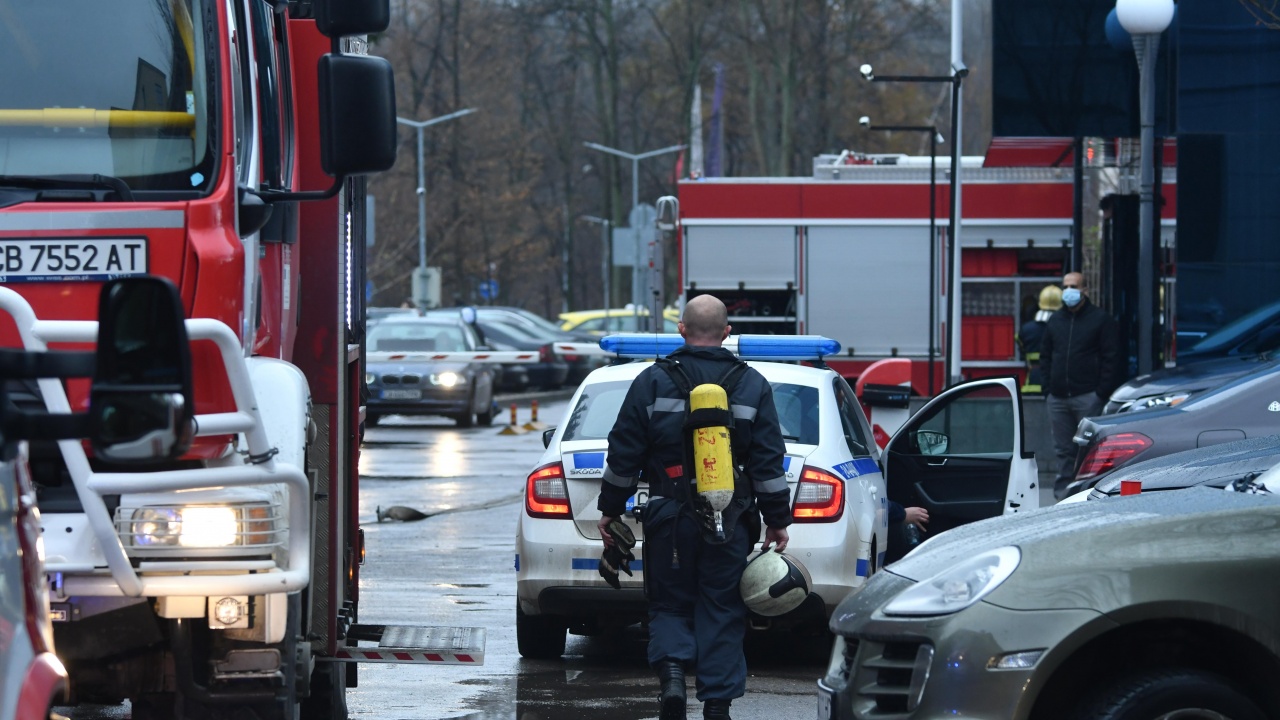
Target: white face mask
{"x":1071,"y":297}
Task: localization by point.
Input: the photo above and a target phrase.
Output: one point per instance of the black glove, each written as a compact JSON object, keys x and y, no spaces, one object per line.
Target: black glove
{"x":617,"y":556}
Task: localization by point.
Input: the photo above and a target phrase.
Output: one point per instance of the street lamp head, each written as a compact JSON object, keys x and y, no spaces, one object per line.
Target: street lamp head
{"x":865,"y":122}
{"x":865,"y":71}
{"x":1144,"y":17}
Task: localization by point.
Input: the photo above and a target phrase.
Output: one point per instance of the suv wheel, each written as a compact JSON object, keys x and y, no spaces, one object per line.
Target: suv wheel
{"x":539,"y":637}
{"x":1171,"y":693}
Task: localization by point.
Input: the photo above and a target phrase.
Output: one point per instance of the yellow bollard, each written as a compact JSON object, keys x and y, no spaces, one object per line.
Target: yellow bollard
{"x":513,"y":428}
{"x":533,"y":423}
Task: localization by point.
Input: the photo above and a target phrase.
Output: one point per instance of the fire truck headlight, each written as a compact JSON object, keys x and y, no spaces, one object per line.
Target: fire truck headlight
{"x":253,"y":525}
{"x":208,"y":527}
{"x":156,"y":527}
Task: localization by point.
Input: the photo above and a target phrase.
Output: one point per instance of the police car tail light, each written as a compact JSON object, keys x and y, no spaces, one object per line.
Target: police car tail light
{"x":546,"y":495}
{"x":546,"y":355}
{"x":1111,"y":453}
{"x":819,"y":497}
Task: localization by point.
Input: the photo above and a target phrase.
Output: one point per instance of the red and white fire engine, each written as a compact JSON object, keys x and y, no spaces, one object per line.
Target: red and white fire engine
{"x":848,"y":253}
{"x":220,"y":144}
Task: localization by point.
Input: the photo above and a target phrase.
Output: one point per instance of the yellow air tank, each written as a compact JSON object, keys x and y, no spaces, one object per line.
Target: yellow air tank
{"x":712,"y":458}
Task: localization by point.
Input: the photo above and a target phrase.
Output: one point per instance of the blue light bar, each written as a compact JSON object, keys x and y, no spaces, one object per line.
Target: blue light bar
{"x":641,"y":345}
{"x":747,"y":347}
{"x":786,"y":347}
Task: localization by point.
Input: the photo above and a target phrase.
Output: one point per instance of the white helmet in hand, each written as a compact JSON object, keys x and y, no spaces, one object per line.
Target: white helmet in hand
{"x":774,"y":584}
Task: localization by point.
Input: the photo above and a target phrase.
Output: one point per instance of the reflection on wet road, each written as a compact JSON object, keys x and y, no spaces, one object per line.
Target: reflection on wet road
{"x":457,"y":568}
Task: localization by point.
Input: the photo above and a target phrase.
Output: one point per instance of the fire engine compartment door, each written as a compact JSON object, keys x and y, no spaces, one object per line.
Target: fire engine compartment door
{"x":722,"y":256}
{"x":868,"y":287}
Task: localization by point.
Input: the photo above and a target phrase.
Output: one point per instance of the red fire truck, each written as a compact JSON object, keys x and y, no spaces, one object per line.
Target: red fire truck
{"x":220,"y":144}
{"x":848,"y":253}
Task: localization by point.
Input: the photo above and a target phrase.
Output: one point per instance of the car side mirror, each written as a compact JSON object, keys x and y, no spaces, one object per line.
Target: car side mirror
{"x":932,"y":442}
{"x":546,"y":437}
{"x":141,"y":404}
{"x":356,"y":143}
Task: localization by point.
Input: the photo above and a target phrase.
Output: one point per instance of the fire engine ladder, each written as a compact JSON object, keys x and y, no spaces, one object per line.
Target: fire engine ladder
{"x":413,"y":645}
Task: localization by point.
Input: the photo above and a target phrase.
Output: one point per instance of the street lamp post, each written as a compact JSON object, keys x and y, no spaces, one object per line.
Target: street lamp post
{"x":934,"y":138}
{"x":419,"y":125}
{"x":1145,"y":20}
{"x":956,"y":79}
{"x":605,"y":225}
{"x":636,"y":299}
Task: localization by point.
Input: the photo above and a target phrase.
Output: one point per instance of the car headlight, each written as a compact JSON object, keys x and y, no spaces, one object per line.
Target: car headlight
{"x":447,"y":379}
{"x":253,"y":525}
{"x":370,"y":378}
{"x":958,"y":587}
{"x":1162,"y":401}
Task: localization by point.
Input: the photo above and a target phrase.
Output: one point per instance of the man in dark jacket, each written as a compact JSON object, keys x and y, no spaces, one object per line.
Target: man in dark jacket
{"x":696,"y":611}
{"x":1079,"y":364}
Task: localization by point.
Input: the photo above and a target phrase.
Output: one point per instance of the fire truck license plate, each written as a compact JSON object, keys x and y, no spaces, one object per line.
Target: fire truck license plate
{"x":45,"y":260}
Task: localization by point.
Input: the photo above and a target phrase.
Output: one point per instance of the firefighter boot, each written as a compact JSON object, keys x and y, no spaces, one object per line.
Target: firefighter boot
{"x":716,"y":710}
{"x":672,"y":697}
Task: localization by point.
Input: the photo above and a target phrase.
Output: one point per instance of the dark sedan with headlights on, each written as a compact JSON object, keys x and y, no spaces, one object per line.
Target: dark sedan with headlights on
{"x":406,"y":374}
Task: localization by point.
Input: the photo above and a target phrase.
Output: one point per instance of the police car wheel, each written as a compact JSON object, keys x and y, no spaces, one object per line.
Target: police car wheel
{"x":539,"y":637}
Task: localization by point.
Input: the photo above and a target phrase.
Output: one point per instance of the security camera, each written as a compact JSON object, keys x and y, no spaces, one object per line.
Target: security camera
{"x":865,"y":122}
{"x":865,"y":70}
{"x":959,"y":70}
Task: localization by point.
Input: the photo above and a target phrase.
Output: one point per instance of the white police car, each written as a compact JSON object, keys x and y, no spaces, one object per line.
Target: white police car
{"x":839,"y":499}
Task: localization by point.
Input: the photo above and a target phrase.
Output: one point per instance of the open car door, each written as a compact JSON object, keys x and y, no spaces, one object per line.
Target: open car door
{"x":962,"y":458}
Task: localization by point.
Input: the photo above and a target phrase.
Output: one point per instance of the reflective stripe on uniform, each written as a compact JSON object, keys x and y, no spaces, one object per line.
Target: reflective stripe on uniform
{"x":777,"y":484}
{"x":614,"y":479}
{"x":666,"y":405}
{"x":744,"y":412}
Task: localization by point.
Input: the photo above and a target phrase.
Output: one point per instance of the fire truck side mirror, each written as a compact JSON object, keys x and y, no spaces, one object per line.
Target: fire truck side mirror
{"x":141,"y":404}
{"x":357,"y":115}
{"x":339,"y":18}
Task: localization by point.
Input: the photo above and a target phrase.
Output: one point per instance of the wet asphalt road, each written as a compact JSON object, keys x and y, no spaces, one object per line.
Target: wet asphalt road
{"x":457,"y":568}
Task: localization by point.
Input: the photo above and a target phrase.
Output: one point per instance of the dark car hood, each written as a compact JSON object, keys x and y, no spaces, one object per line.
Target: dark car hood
{"x":1192,"y":377}
{"x":417,"y":366}
{"x":1214,"y":465}
{"x":1108,"y":553}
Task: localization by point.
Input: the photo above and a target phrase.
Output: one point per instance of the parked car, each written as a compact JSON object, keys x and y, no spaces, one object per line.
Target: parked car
{"x":548,"y":373}
{"x":1250,"y":334}
{"x":403,"y":378}
{"x":1161,"y":605}
{"x":580,"y":364}
{"x":1172,"y":386}
{"x":1215,"y":466}
{"x":603,"y":322}
{"x":943,"y":459}
{"x":1248,"y":407}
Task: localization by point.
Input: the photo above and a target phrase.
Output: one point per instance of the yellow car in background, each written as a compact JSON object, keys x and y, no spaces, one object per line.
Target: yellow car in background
{"x":605,"y":322}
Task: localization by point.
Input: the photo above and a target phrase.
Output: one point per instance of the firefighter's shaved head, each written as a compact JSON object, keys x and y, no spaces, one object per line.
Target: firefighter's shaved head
{"x":705,"y":321}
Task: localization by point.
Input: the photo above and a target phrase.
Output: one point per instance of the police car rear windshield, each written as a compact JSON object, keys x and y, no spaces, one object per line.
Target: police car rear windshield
{"x":599,"y":404}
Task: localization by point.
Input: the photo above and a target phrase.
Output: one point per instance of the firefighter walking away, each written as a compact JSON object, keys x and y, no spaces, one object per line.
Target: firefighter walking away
{"x":697,"y":536}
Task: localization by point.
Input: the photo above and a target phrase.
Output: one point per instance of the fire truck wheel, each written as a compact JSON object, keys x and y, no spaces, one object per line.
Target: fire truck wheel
{"x":539,"y":637}
{"x":328,"y":700}
{"x":155,"y":706}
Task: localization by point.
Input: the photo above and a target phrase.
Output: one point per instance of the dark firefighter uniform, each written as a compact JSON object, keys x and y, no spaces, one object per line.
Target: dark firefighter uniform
{"x":696,"y":612}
